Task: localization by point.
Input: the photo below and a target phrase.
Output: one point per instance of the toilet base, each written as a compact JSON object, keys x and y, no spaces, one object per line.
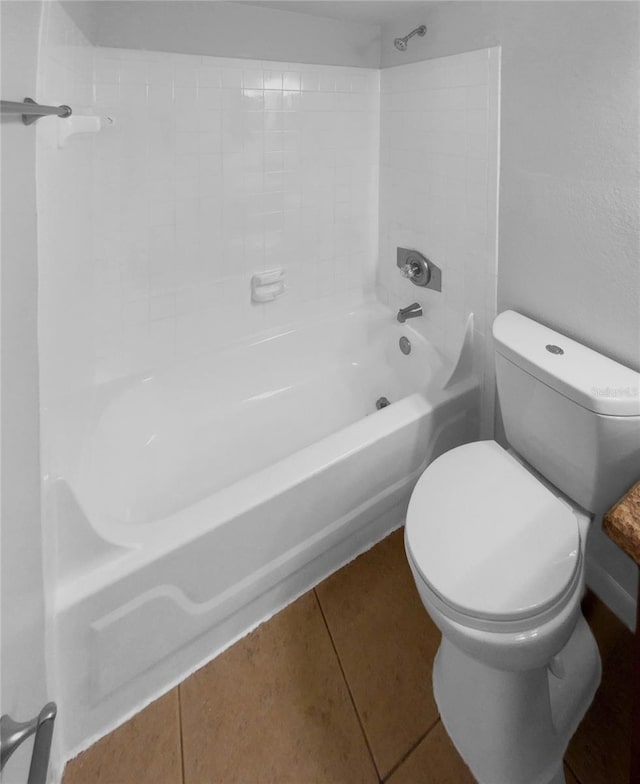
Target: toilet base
{"x":514,"y":727}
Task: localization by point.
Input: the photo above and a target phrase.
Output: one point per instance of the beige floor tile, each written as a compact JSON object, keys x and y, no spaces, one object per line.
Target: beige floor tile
{"x":571,"y":779}
{"x":434,"y":761}
{"x":386,"y":643}
{"x":274,"y":708}
{"x":145,"y":750}
{"x":599,"y":751}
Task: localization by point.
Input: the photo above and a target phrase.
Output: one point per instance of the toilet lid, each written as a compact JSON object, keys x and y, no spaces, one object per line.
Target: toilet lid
{"x":488,"y":538}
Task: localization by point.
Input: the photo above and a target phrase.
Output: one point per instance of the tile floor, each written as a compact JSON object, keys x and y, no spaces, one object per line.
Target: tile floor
{"x":336,"y":689}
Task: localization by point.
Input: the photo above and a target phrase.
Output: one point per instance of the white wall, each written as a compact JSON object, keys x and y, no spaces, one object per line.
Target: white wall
{"x":569,"y":162}
{"x":227,"y":30}
{"x":438,"y":194}
{"x":23,"y":687}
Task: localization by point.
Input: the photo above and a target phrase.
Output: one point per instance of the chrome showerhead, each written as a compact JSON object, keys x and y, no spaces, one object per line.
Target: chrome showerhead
{"x":401,"y":43}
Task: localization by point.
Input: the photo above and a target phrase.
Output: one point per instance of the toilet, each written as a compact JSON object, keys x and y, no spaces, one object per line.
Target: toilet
{"x":495,"y":539}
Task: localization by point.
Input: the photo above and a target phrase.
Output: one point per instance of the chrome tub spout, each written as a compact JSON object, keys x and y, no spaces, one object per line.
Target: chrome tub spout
{"x":411,"y":311}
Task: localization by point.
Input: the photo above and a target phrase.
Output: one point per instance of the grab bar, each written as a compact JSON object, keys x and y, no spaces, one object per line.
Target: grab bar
{"x":32,"y":111}
{"x":14,"y":733}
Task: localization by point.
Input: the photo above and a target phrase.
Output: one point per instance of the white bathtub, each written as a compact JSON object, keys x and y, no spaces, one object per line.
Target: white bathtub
{"x":202,"y":499}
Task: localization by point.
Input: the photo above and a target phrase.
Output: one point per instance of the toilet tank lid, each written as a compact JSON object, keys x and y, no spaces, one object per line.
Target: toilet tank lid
{"x":585,"y":376}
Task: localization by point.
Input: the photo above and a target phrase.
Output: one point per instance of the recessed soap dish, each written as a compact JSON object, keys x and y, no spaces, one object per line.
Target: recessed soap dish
{"x":266,"y":286}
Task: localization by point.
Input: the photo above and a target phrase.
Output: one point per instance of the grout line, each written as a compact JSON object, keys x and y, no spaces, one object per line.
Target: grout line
{"x":179,"y":687}
{"x":410,"y":751}
{"x":565,"y":762}
{"x":350,"y":693}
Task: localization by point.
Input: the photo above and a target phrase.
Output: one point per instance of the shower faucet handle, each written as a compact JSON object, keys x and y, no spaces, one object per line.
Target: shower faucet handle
{"x":410,"y":270}
{"x":417,"y":268}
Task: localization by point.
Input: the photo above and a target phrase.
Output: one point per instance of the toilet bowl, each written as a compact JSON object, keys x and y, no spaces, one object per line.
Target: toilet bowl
{"x":498,"y":560}
{"x":495,"y":539}
{"x":497,"y":556}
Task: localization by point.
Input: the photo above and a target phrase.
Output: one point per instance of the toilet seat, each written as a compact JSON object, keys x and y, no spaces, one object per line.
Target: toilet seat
{"x":495,"y":548}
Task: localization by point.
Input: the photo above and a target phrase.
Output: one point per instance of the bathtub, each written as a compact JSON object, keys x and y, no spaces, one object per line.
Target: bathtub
{"x":197,"y":501}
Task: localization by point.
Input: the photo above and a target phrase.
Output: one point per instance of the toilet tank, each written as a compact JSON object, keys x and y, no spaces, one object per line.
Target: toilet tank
{"x":570,"y":412}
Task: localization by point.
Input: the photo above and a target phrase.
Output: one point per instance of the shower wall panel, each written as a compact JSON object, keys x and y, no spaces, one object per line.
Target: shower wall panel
{"x":439,"y":194}
{"x":211,"y":171}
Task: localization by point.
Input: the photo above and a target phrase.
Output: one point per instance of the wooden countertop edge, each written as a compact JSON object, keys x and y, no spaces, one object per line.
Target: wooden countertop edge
{"x":622,"y":523}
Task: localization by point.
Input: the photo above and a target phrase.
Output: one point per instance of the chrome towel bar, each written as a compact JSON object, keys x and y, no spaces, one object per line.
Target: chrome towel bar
{"x":32,"y":111}
{"x":14,"y":733}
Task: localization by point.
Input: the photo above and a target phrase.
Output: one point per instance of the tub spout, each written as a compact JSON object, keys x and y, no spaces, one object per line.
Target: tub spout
{"x":411,"y":311}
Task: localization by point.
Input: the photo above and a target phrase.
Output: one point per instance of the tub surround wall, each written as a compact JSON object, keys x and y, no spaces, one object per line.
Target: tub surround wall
{"x":216,"y":169}
{"x":439,"y":194}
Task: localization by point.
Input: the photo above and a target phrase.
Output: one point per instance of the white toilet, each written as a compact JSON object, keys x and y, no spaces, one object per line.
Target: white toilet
{"x":496,"y":543}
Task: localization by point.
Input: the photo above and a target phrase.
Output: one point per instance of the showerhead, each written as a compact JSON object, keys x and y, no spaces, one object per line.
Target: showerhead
{"x":401,"y":43}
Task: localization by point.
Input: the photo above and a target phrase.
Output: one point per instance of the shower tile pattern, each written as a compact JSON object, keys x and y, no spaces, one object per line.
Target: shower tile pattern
{"x":439,"y":194}
{"x":215,"y":169}
{"x":335,"y":689}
